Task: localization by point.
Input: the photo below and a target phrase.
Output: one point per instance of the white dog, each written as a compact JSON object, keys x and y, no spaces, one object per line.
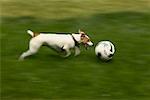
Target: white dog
{"x":59,"y":42}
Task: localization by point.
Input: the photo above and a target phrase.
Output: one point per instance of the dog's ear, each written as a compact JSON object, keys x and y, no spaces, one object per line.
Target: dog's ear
{"x":82,"y":35}
{"x":81,"y":32}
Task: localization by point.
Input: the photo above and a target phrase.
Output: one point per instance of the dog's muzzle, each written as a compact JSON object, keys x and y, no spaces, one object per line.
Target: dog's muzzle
{"x":88,"y":44}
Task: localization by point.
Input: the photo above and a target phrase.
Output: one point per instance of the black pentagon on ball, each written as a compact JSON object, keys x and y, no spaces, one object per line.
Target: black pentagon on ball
{"x":110,"y":55}
{"x":99,"y":54}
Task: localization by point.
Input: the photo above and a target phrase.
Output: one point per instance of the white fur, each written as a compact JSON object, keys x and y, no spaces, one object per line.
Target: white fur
{"x":64,"y":41}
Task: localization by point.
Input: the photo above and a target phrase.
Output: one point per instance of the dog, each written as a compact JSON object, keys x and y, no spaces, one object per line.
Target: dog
{"x":60,"y":42}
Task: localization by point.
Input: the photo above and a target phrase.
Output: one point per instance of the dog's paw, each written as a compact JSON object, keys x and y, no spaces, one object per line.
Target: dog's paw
{"x":66,"y":55}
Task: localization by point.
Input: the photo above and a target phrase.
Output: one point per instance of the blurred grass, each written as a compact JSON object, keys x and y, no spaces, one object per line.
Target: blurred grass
{"x":58,"y":9}
{"x":46,"y":76}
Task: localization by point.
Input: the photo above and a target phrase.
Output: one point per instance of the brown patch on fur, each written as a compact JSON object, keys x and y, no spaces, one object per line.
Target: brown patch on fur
{"x":84,"y":39}
{"x":36,"y":34}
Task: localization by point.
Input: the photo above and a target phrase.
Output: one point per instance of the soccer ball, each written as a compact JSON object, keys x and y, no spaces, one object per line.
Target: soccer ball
{"x":105,"y":50}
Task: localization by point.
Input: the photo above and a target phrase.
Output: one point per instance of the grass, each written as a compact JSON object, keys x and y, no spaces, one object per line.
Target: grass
{"x":46,"y":76}
{"x":59,"y":9}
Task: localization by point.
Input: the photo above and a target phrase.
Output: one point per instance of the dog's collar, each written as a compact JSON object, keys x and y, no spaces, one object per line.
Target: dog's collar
{"x":75,"y":41}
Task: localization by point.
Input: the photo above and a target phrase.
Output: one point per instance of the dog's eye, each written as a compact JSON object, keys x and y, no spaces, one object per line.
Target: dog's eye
{"x":88,"y":40}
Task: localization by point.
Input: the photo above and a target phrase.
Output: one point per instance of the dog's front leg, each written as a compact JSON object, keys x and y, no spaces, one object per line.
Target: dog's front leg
{"x":77,"y":51}
{"x":67,"y":49}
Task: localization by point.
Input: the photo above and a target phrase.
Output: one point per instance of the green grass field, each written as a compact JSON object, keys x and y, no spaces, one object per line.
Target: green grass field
{"x":47,"y":76}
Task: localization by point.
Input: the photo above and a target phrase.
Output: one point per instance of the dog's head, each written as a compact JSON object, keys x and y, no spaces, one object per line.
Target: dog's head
{"x":85,"y":39}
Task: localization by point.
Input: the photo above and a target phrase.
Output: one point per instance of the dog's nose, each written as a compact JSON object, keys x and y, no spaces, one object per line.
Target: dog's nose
{"x":93,"y":44}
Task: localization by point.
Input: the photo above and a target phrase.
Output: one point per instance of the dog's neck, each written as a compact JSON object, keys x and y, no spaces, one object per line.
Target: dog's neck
{"x":77,"y":37}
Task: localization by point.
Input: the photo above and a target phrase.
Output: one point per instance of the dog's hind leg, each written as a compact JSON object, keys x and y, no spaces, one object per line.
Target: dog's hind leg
{"x":77,"y":51}
{"x":33,"y":48}
{"x":25,"y":54}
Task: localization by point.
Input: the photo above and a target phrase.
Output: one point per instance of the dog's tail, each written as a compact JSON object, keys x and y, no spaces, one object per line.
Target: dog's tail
{"x":30,"y":32}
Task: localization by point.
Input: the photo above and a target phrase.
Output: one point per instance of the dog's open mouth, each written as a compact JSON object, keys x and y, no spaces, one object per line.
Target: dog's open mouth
{"x":86,"y":46}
